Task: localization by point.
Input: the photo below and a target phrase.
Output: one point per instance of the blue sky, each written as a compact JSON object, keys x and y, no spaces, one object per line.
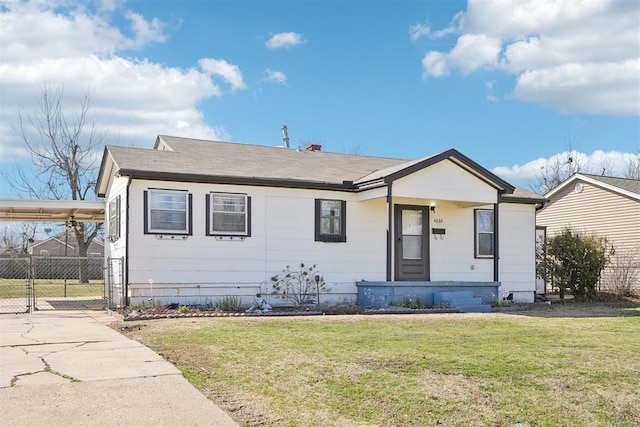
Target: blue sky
{"x":510,"y":84}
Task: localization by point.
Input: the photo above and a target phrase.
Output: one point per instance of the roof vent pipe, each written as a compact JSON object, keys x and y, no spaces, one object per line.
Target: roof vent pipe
{"x":285,"y":136}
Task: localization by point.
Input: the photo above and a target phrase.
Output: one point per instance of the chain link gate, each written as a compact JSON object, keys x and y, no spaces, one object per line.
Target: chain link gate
{"x":68,"y":283}
{"x":115,"y":283}
{"x":51,"y":283}
{"x":15,"y":295}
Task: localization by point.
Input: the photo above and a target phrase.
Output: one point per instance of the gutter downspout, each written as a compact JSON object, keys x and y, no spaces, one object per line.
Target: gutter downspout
{"x":126,"y":253}
{"x":389,"y":228}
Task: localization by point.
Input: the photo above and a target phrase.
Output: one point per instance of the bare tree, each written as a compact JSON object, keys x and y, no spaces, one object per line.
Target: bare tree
{"x":16,"y":238}
{"x":556,"y":170}
{"x":632,"y":168}
{"x":64,"y":153}
{"x":356,"y":149}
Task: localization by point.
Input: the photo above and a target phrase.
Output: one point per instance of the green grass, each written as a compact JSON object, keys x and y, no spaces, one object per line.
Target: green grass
{"x":545,"y":368}
{"x":17,"y":288}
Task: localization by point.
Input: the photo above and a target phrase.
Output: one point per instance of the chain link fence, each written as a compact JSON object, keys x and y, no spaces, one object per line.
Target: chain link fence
{"x":50,"y":283}
{"x":115,"y":283}
{"x":14,"y":284}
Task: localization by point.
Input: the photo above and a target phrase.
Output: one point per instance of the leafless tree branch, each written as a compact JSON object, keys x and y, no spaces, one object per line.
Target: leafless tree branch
{"x":62,"y":150}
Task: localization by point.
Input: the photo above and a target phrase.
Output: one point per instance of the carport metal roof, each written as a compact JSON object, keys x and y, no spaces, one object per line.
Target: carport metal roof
{"x":51,"y":210}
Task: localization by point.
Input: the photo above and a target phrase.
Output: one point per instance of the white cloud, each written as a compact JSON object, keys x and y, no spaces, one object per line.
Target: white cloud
{"x":474,"y":51}
{"x":580,"y":56}
{"x":435,"y":65}
{"x":78,"y":50}
{"x":590,"y":88}
{"x":230,"y":73}
{"x":285,"y":40}
{"x":611,"y":163}
{"x":419,"y":30}
{"x":490,"y":96}
{"x":275,"y":76}
{"x":145,"y":32}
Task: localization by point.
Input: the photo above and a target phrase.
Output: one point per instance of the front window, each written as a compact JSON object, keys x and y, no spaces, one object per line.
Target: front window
{"x":229,"y":214}
{"x":330,"y":220}
{"x":484,"y":233}
{"x":167,"y":212}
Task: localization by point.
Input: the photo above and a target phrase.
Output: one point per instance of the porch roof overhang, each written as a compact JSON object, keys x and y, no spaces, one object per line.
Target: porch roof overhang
{"x":51,"y":210}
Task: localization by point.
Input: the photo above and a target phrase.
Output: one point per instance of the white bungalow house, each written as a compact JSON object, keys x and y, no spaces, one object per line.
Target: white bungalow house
{"x":193,"y":220}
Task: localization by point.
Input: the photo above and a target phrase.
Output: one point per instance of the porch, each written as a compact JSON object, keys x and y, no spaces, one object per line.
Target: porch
{"x":466,"y":296}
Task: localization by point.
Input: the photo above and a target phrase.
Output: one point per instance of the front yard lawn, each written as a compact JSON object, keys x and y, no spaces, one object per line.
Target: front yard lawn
{"x":552,"y":365}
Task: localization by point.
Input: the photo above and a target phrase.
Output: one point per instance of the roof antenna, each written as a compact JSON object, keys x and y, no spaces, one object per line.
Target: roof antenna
{"x":285,"y":136}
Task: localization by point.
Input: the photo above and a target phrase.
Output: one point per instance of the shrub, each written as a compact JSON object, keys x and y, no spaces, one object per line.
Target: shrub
{"x":623,"y":275}
{"x":300,"y":286}
{"x":229,"y":303}
{"x":575,"y":262}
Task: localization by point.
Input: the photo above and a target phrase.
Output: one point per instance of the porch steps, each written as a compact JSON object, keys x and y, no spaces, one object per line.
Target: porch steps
{"x":462,"y":300}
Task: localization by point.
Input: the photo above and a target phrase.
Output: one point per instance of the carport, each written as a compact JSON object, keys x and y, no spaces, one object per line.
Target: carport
{"x":29,"y":282}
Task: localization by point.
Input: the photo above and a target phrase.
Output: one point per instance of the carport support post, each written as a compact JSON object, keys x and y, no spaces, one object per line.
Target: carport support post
{"x":66,"y":248}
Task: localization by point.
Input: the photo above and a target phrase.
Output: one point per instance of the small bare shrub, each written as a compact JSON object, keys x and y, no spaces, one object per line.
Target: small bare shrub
{"x":623,"y":274}
{"x":300,"y":285}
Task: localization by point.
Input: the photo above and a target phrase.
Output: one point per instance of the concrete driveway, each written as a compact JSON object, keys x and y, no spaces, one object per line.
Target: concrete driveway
{"x":68,"y":368}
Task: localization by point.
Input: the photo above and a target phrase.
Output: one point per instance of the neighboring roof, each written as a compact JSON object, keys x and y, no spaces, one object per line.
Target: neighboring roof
{"x":524,"y":196}
{"x":70,"y":238}
{"x":51,"y":210}
{"x":625,"y":186}
{"x":194,"y":160}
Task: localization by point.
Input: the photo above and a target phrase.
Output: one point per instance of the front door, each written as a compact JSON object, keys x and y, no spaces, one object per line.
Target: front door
{"x":412,"y":242}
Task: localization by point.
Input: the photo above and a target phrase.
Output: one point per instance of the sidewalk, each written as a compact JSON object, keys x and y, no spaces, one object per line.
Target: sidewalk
{"x":67,"y":368}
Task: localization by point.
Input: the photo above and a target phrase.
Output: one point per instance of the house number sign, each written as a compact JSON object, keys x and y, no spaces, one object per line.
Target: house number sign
{"x":438,"y":221}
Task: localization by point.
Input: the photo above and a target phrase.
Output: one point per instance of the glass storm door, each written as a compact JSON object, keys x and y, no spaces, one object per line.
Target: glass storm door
{"x":412,"y":243}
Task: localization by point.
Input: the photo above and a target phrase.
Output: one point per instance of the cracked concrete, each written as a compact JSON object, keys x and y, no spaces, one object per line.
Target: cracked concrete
{"x":69,"y":368}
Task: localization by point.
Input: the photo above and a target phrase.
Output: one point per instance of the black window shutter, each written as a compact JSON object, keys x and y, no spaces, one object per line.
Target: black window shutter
{"x":146,"y":212}
{"x":208,"y":218}
{"x":190,"y":219}
{"x":248,"y":230}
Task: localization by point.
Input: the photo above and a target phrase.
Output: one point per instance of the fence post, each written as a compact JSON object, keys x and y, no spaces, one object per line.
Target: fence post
{"x":30,"y":285}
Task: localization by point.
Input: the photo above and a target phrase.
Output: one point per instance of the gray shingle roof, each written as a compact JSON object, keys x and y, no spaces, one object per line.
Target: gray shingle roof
{"x":213,"y":158}
{"x":628,"y":184}
{"x":186,"y":159}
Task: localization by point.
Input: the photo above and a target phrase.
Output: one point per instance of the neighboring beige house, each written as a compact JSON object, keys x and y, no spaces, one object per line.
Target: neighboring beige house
{"x":604,"y":206}
{"x":64,"y":244}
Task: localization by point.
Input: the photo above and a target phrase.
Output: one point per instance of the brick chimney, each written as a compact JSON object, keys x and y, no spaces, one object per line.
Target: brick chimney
{"x":313,"y":147}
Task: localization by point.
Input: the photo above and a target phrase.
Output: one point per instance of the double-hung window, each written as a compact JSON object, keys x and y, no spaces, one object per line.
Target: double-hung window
{"x":484,"y":230}
{"x":167,"y":212}
{"x":114,"y":219}
{"x":330,"y":220}
{"x":228,"y":214}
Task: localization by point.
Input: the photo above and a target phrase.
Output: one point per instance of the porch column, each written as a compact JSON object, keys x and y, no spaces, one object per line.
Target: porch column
{"x":496,"y":248}
{"x":389,"y":230}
